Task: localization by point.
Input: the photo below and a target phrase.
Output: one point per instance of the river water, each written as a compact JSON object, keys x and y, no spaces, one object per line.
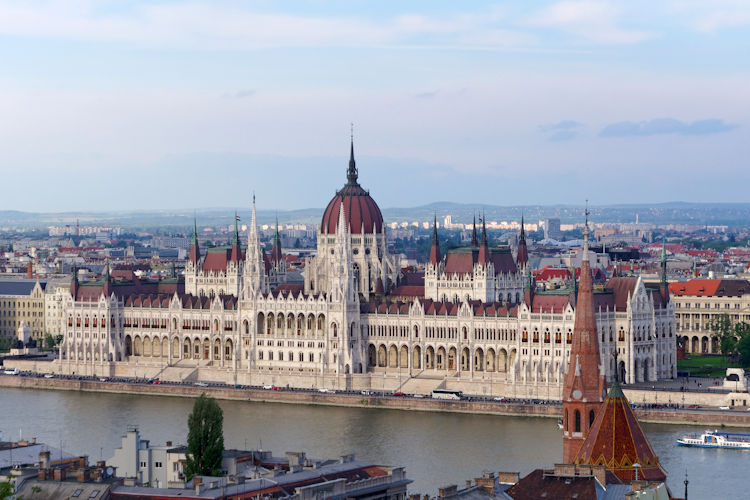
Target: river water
{"x":436,"y":448}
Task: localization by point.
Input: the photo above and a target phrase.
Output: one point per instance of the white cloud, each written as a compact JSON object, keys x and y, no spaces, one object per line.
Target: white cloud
{"x":218,"y":26}
{"x":713,"y":16}
{"x":597,"y":21}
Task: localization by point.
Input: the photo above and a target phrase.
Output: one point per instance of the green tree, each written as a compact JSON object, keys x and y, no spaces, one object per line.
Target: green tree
{"x":722,"y":327}
{"x":59,"y":339}
{"x":49,"y":341}
{"x":743,"y":345}
{"x":6,"y":490}
{"x":205,"y":442}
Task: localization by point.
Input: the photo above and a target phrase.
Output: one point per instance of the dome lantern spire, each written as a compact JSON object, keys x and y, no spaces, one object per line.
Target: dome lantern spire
{"x":351,"y":173}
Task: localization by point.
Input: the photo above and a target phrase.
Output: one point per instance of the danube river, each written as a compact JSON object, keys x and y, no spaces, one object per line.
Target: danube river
{"x":436,"y":448}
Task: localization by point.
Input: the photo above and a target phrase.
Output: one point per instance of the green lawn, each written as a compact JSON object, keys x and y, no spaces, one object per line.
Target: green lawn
{"x":704,"y":365}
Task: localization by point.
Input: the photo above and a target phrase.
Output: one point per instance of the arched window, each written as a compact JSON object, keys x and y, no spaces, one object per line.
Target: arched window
{"x":566,"y":420}
{"x":578,"y":421}
{"x":591,"y":418}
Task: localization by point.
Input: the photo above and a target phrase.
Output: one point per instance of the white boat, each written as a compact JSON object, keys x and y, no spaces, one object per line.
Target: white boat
{"x":716,"y":439}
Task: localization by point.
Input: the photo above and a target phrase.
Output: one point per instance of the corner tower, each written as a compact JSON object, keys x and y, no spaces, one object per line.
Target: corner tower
{"x":585,"y":386}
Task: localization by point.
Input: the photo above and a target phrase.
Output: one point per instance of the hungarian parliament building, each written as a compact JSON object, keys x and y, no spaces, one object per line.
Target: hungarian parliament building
{"x":471,"y":320}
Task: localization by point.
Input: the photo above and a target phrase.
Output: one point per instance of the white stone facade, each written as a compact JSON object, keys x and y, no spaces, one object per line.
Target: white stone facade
{"x":474,"y":324}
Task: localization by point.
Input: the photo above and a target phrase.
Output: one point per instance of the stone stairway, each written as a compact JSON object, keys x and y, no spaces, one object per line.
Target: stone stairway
{"x":421,"y":385}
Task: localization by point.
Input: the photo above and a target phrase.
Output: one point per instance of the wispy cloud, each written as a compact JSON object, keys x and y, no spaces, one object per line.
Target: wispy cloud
{"x":598,"y":21}
{"x":221,"y":26}
{"x":710,"y":17}
{"x":427,"y":95}
{"x":662,"y":126}
{"x":564,"y":130}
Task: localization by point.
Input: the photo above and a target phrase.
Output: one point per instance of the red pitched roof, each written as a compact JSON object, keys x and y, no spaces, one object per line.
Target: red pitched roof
{"x":617,"y":441}
{"x":708,"y":288}
{"x":461,"y":261}
{"x":621,"y":287}
{"x":549,"y":303}
{"x":216,"y":261}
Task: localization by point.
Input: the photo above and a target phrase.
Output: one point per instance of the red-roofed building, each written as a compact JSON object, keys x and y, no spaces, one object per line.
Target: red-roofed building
{"x":698,"y":302}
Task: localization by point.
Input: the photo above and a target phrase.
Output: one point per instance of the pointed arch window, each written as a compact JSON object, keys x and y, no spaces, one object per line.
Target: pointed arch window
{"x":578,"y":421}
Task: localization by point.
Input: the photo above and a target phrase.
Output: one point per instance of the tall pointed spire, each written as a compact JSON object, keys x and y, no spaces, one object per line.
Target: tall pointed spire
{"x":351,"y":173}
{"x":255,"y":270}
{"x":474,"y":241}
{"x":585,"y":386}
{"x":276,"y":249}
{"x":435,"y":247}
{"x":484,"y":250}
{"x":195,"y":252}
{"x":522,"y":256}
{"x":236,"y":248}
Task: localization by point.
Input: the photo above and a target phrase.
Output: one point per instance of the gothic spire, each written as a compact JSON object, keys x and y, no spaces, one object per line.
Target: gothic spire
{"x":351,"y":173}
{"x":195,"y":253}
{"x":584,"y":387}
{"x":484,"y":251}
{"x":474,"y":241}
{"x":522,"y":256}
{"x":435,"y":247}
{"x":236,"y":248}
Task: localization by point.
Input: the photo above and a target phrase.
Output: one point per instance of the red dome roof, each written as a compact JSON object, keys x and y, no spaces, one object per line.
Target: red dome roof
{"x":361,"y":213}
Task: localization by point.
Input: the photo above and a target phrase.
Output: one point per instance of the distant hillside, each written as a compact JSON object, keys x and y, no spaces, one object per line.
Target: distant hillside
{"x":732,"y":214}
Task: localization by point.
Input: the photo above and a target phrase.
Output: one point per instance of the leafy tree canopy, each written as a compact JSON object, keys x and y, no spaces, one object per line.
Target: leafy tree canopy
{"x":205,"y":443}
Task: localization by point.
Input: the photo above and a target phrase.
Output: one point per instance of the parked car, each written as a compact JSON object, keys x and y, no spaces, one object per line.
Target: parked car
{"x":12,"y":371}
{"x":49,"y":375}
{"x":201,"y":384}
{"x":268,"y":387}
{"x":156,"y":381}
{"x":366,"y":393}
{"x":724,"y":408}
{"x":399,"y":394}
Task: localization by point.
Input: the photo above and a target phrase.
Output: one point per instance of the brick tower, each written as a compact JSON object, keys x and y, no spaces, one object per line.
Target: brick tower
{"x":585,"y":386}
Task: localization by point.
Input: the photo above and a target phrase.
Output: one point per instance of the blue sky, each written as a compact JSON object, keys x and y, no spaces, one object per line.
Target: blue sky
{"x":166,"y":104}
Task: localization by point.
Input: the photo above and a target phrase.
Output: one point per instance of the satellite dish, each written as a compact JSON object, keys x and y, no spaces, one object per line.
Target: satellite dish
{"x":110,"y":471}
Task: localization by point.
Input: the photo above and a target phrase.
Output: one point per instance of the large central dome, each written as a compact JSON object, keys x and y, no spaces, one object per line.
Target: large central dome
{"x":361,"y":213}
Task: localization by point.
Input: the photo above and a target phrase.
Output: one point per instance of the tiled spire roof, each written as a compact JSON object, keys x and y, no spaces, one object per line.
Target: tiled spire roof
{"x":617,"y":441}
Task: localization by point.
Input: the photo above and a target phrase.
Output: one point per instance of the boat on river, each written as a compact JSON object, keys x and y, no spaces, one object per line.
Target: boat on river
{"x":716,"y":439}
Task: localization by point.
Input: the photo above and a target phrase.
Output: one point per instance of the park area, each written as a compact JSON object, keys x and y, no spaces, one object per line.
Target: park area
{"x":703,"y":365}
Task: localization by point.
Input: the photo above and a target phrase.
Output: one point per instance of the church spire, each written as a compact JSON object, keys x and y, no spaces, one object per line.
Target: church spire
{"x":276,"y":249}
{"x":195,"y":252}
{"x":352,"y":173}
{"x":236,"y":248}
{"x":484,"y":250}
{"x":435,"y":248}
{"x":474,"y":241}
{"x":522,"y":256}
{"x":585,"y":386}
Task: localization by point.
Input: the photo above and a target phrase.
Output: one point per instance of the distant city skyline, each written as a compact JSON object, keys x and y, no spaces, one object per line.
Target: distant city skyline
{"x":162,"y":105}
